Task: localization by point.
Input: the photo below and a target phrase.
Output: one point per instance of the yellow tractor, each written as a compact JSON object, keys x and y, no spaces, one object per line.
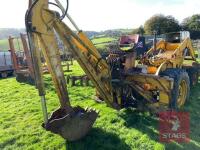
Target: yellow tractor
{"x":159,"y":80}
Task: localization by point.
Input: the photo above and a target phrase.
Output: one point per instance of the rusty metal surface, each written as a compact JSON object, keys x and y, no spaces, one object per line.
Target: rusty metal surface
{"x":27,"y":54}
{"x":13,"y":55}
{"x":71,"y":126}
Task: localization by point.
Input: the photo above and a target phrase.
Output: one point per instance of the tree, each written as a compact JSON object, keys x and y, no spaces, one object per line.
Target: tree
{"x":162,"y":24}
{"x":139,"y":30}
{"x":192,"y":23}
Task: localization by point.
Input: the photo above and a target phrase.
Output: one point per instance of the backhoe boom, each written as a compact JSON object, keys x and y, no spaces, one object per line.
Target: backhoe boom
{"x":42,"y":26}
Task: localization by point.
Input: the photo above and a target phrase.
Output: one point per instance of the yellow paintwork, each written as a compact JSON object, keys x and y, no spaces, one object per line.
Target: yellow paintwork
{"x":171,"y":57}
{"x":46,"y":21}
{"x":172,"y":52}
{"x":163,"y":84}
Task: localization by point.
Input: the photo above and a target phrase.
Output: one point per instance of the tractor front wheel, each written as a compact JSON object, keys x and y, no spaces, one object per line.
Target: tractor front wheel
{"x":181,"y":88}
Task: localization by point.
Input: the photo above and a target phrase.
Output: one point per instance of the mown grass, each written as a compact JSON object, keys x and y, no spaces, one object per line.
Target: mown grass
{"x":21,"y":118}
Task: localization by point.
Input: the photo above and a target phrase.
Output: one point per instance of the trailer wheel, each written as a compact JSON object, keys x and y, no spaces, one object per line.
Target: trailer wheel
{"x":4,"y":74}
{"x":181,"y":89}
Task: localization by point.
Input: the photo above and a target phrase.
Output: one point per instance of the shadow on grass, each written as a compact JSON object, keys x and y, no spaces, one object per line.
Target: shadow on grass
{"x":141,"y":121}
{"x":98,"y":139}
{"x":8,"y":142}
{"x":149,"y":124}
{"x":193,"y":107}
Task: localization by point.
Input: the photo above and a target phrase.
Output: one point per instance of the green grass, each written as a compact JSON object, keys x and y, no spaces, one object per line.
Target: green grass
{"x":4,"y":45}
{"x":21,"y":118}
{"x":103,"y":40}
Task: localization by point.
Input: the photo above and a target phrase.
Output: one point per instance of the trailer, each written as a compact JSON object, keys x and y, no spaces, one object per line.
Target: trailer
{"x":21,"y":59}
{"x":6,"y":65}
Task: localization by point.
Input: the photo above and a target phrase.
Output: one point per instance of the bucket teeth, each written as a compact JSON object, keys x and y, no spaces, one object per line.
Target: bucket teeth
{"x":86,"y":108}
{"x":97,"y":111}
{"x":89,"y":109}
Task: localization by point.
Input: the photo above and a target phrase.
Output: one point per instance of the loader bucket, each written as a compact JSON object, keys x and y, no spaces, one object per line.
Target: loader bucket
{"x":71,"y":126}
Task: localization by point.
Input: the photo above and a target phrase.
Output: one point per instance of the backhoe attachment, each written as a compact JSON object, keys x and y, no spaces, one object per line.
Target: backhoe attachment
{"x":42,"y":24}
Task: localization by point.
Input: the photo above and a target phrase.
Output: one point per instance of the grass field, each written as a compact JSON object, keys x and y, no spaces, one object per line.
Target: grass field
{"x":21,"y":118}
{"x":4,"y":45}
{"x":102,"y":42}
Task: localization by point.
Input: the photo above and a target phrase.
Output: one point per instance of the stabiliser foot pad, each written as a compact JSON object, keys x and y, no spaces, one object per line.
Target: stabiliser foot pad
{"x":71,"y":126}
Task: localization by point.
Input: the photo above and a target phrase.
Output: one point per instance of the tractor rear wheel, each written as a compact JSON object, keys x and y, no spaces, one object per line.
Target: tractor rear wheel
{"x":181,"y":88}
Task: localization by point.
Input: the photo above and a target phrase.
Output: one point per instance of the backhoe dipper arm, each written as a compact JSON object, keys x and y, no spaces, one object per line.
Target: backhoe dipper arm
{"x":43,"y":24}
{"x":43,"y":39}
{"x":89,"y":59}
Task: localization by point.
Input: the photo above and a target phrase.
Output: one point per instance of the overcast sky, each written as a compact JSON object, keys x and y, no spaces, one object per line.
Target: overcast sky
{"x":104,"y":14}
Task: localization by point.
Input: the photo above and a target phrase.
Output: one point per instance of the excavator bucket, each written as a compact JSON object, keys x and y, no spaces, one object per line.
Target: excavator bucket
{"x":71,"y":126}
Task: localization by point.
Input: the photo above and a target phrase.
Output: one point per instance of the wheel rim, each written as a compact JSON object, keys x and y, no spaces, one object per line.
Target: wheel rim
{"x":182,"y":93}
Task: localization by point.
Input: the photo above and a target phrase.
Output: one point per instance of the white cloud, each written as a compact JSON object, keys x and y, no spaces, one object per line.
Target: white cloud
{"x":104,"y":14}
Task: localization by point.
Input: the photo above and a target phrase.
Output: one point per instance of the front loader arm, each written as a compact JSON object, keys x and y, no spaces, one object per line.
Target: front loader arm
{"x":186,"y":44}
